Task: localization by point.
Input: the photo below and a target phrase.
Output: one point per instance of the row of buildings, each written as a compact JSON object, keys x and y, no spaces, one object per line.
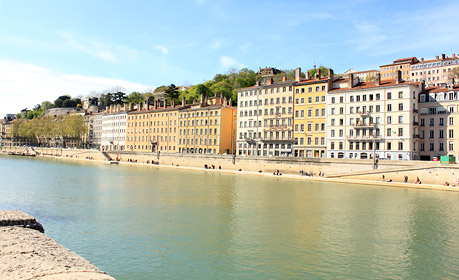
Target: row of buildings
{"x":404,"y":111}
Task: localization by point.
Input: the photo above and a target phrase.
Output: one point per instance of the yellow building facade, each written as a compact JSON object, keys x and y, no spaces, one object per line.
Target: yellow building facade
{"x":207,"y":127}
{"x":152,"y":129}
{"x":310,"y":116}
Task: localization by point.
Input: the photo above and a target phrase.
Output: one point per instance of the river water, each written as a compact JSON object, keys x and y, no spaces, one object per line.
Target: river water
{"x":168,"y":223}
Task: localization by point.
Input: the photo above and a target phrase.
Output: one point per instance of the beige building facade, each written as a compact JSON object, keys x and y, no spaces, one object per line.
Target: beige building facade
{"x":439,"y":122}
{"x":380,"y":117}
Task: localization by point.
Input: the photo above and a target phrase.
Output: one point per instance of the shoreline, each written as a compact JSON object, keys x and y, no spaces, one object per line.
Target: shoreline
{"x":283,"y":176}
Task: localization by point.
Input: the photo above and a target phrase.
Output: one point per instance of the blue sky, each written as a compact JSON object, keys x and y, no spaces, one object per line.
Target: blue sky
{"x":50,"y":48}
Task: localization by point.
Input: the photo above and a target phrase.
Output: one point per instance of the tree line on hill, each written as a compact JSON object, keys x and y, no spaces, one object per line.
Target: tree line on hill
{"x":225,"y":84}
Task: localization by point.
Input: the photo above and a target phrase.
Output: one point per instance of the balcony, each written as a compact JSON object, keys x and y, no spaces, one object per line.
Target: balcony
{"x":415,"y":111}
{"x":364,"y":138}
{"x":364,"y":125}
{"x":363,"y":113}
{"x":415,"y":123}
{"x":416,"y":136}
{"x":249,"y":140}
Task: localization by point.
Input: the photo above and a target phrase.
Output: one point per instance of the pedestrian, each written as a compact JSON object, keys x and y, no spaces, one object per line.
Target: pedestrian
{"x":406,"y":179}
{"x":383,"y":178}
{"x":418,"y":181}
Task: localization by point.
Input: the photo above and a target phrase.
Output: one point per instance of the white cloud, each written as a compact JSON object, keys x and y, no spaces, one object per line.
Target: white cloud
{"x":163,"y":49}
{"x":227,"y":61}
{"x":98,"y":49}
{"x":245,"y":46}
{"x":23,"y":85}
{"x":216,"y":44}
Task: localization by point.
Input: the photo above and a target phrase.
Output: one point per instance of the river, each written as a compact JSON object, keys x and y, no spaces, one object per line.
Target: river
{"x":168,"y":223}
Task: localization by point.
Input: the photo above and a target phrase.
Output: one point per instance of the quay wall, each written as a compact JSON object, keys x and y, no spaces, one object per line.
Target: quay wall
{"x":27,"y":253}
{"x":429,"y":172}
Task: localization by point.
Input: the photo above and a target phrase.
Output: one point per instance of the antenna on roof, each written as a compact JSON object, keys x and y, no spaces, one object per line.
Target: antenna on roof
{"x":314,"y":64}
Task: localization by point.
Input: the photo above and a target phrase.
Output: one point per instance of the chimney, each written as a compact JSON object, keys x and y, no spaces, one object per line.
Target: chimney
{"x":437,"y":57}
{"x":398,"y":77}
{"x":165,"y":104}
{"x":131,"y":106}
{"x":350,"y":80}
{"x":423,"y":85}
{"x":330,"y":73}
{"x":307,"y":75}
{"x":378,"y":79}
{"x":173,"y":103}
{"x":183,"y":101}
{"x":284,"y":78}
{"x":443,"y":56}
{"x":125,"y":107}
{"x":202,"y":98}
{"x":156,"y":104}
{"x":257,"y":83}
{"x":224,"y":101}
{"x":269,"y":81}
{"x":454,"y":55}
{"x":298,"y":74}
{"x":422,"y":59}
{"x":194,"y":101}
{"x":230,"y":102}
{"x":317,"y":74}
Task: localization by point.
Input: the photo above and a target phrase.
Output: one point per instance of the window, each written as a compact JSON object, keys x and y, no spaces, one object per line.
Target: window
{"x":431,"y":134}
{"x":400,"y":132}
{"x":389,"y":96}
{"x":400,"y":119}
{"x":431,"y":146}
{"x":451,"y":146}
{"x":389,"y":107}
{"x":432,"y":122}
{"x":400,"y":94}
{"x":389,"y":120}
{"x":423,"y":122}
{"x":441,"y":123}
{"x":451,"y":121}
{"x":451,"y":133}
{"x":441,"y":134}
{"x":400,"y":146}
{"x":400,"y":106}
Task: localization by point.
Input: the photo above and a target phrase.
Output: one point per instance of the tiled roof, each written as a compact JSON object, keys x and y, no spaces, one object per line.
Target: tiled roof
{"x":367,"y":85}
{"x":440,"y":89}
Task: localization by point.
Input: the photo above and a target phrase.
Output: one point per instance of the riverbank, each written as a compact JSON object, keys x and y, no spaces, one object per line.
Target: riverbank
{"x":27,"y":253}
{"x":432,"y":175}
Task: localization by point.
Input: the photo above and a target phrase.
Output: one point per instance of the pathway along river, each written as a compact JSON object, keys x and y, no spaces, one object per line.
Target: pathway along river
{"x":164,"y":223}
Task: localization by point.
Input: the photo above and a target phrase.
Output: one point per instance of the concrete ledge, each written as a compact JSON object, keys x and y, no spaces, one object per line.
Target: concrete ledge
{"x":27,"y":253}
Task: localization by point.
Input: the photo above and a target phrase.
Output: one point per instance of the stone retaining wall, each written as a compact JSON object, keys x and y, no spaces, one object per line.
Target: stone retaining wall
{"x":27,"y":253}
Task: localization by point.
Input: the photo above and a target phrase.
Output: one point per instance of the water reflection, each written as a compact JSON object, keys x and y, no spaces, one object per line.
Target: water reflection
{"x":144,"y":223}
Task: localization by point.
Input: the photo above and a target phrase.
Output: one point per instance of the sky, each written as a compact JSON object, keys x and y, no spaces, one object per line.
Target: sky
{"x":52,"y":48}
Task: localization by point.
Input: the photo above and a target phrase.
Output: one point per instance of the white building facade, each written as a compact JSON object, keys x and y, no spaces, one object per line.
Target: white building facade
{"x":113,"y":136}
{"x":370,"y":118}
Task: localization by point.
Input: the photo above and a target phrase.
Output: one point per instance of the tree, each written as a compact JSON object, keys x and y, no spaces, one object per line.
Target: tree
{"x":58,"y":103}
{"x":223,"y":87}
{"x":118,"y":97}
{"x":135,"y":97}
{"x":106,"y":99}
{"x":172,"y":93}
{"x":323,"y":71}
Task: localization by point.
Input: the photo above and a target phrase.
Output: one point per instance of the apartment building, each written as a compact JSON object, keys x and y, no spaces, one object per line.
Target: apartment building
{"x":389,"y":71}
{"x":310,"y":115}
{"x":207,"y":127}
{"x":265,"y":126}
{"x":364,"y":76}
{"x":439,"y":122}
{"x":97,"y":130}
{"x":367,"y":118}
{"x":153,"y":128}
{"x":434,"y":72}
{"x":114,"y":123}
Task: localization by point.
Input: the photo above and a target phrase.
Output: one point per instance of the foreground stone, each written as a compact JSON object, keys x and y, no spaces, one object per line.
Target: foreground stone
{"x":26,"y":253}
